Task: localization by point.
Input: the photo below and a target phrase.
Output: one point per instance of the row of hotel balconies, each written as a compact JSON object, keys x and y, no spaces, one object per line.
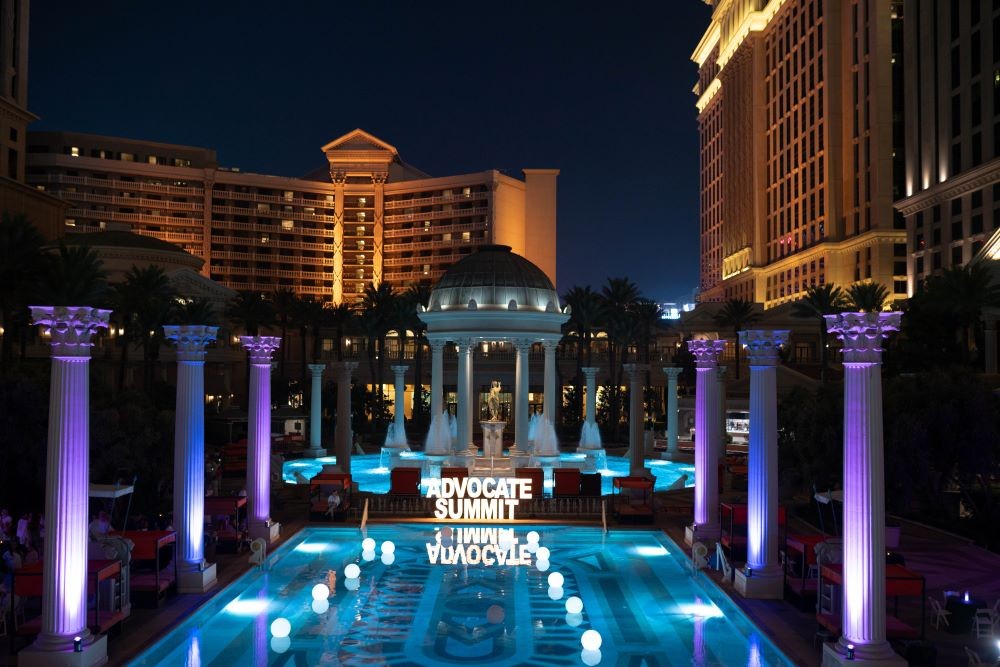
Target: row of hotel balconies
{"x":74,"y":195}
{"x":396,"y":233}
{"x":115,"y":183}
{"x":436,"y":215}
{"x":429,"y":201}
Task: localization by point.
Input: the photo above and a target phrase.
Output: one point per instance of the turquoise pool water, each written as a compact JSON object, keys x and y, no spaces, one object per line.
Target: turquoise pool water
{"x":369,"y":471}
{"x":636,"y":590}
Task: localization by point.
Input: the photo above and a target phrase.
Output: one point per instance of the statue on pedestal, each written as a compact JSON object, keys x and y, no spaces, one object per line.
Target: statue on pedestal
{"x":493,"y":401}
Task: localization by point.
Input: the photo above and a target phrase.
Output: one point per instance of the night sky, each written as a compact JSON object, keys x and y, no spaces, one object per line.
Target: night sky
{"x":602,"y":92}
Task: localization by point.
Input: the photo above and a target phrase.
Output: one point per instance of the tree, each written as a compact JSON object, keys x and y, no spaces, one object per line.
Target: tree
{"x":377,"y":308}
{"x":74,"y":276}
{"x":142,"y":303}
{"x":736,"y":315}
{"x":820,"y":300}
{"x":285,"y":304}
{"x":340,"y":318}
{"x":196,"y":311}
{"x":252,"y":310}
{"x":617,"y":298}
{"x":868,"y":297}
{"x":585,"y":312}
{"x":21,"y":263}
{"x":963,"y":292}
{"x":414,"y":296}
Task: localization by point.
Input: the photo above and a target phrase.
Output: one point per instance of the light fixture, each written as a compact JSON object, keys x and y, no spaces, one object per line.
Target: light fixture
{"x":352,"y":571}
{"x":320,"y":592}
{"x":850,"y":651}
{"x":368,"y":544}
{"x":543,"y":553}
{"x":574,"y":605}
{"x":388,"y":547}
{"x":280,"y":627}
{"x":388,"y":558}
{"x":556,"y":580}
{"x":77,"y":645}
{"x":532,"y":537}
{"x":749,"y":571}
{"x":591,"y":640}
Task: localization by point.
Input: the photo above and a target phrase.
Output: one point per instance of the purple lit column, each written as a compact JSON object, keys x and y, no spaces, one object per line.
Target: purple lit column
{"x":864,"y":489}
{"x":708,"y":440}
{"x":635,"y":418}
{"x":194,"y":575}
{"x":259,"y":521}
{"x":64,"y":589}
{"x":766,"y":579}
{"x":673,"y":372}
{"x":343,"y":435}
{"x":316,"y":412}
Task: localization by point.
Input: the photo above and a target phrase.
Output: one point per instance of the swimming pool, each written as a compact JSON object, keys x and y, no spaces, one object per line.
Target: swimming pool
{"x":371,"y":474}
{"x":412,"y":608}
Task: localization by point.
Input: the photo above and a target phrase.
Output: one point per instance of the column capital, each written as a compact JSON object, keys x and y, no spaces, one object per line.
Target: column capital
{"x":762,"y":345}
{"x":70,"y":327}
{"x":635,"y":371}
{"x":190,"y":340}
{"x":317,"y":369}
{"x":437,"y":344}
{"x":550,"y":344}
{"x":399,"y":369}
{"x":344,"y":368}
{"x":260,"y":348}
{"x":862,"y":334}
{"x":523,"y":344}
{"x":589,"y":372}
{"x":673,"y":372}
{"x":706,"y":352}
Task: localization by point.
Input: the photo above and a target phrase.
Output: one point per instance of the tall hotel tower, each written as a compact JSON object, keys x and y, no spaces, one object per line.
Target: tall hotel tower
{"x":798,"y":140}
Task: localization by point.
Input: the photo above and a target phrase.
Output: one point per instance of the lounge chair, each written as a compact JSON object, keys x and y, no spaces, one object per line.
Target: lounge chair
{"x":974,"y":659}
{"x":940,"y":613}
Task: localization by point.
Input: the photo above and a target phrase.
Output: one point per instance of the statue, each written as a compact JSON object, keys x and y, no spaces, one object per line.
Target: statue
{"x":493,"y":401}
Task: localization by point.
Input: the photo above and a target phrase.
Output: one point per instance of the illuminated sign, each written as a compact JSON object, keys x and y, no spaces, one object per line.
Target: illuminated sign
{"x":478,"y":546}
{"x":477,"y":499}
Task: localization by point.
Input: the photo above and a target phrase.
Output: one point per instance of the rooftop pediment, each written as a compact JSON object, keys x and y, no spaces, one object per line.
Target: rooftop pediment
{"x":359,"y":140}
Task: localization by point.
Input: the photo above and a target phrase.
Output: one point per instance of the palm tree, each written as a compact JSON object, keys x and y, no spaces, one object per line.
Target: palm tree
{"x":821,"y":300}
{"x":21,"y":261}
{"x":143,"y":302}
{"x":196,"y":311}
{"x":285,"y":304}
{"x":377,"y":306}
{"x":585,"y":313}
{"x":963,"y":292}
{"x":414,"y":296}
{"x":251,"y":310}
{"x":308,"y":315}
{"x":736,"y":315}
{"x":868,"y":297}
{"x":339,"y":317}
{"x":617,"y":298}
{"x":73,"y":277}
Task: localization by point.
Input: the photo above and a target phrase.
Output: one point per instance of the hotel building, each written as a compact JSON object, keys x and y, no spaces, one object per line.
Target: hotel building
{"x":797,"y":135}
{"x":365,"y":217}
{"x":952,"y":175}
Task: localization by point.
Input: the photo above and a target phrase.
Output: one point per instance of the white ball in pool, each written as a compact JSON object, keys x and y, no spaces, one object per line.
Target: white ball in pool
{"x":368,"y":544}
{"x":542,"y":565}
{"x":556,"y":580}
{"x":388,"y":558}
{"x":320,"y":592}
{"x":388,"y":547}
{"x":591,"y":640}
{"x":574,"y":605}
{"x":280,"y":644}
{"x":543,"y":553}
{"x":590,"y":658}
{"x":495,"y":614}
{"x":280,"y":627}
{"x":352,"y":584}
{"x":532,"y":537}
{"x":555,"y":592}
{"x":368,"y":556}
{"x":320,"y":606}
{"x":352,"y":571}
{"x":574,"y":620}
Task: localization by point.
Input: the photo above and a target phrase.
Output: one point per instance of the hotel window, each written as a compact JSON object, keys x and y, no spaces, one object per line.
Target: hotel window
{"x":309,"y":210}
{"x":362,"y":201}
{"x":361,"y":230}
{"x":361,"y":216}
{"x":264,"y":238}
{"x":361,"y":245}
{"x":127,"y":157}
{"x":287,"y":224}
{"x":263,"y":208}
{"x":446,"y":237}
{"x":361,"y":274}
{"x":361,"y":259}
{"x":427,"y":268}
{"x":466,"y":236}
{"x":74,"y":151}
{"x":288,"y":195}
{"x":467,"y":191}
{"x":329,"y":199}
{"x":151,"y":159}
{"x":427,"y":224}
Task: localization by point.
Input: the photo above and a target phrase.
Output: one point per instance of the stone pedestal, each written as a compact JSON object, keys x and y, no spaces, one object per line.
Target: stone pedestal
{"x":708,"y":437}
{"x":343,"y":435}
{"x":493,"y":438}
{"x":768,"y":585}
{"x":673,"y":372}
{"x":260,"y":349}
{"x":194,"y":576}
{"x":835,"y":655}
{"x":864,"y":489}
{"x":316,"y":449}
{"x":67,"y":471}
{"x":762,"y":478}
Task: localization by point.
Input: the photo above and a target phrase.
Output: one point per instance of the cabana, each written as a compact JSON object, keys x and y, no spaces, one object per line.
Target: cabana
{"x":223,"y":514}
{"x":899,"y":582}
{"x":633,"y":499}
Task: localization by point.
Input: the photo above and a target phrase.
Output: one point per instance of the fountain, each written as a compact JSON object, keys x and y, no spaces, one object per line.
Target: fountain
{"x":452,"y":430}
{"x":395,"y":445}
{"x":532,"y":427}
{"x":546,"y":449}
{"x":590,"y":446}
{"x":437,"y":447}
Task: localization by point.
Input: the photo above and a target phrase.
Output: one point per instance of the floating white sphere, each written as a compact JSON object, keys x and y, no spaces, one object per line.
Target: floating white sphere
{"x":574,"y":605}
{"x":368,"y":544}
{"x":388,"y":558}
{"x":573,"y":620}
{"x":352,"y":571}
{"x":555,"y":592}
{"x":368,"y":556}
{"x":320,"y":592}
{"x":542,"y":565}
{"x":532,"y":537}
{"x":556,"y":580}
{"x":280,"y":644}
{"x":543,"y":553}
{"x":321,"y":606}
{"x":591,"y":640}
{"x":495,"y":614}
{"x":590,"y":658}
{"x":388,"y":547}
{"x":280,"y":627}
{"x":352,"y":584}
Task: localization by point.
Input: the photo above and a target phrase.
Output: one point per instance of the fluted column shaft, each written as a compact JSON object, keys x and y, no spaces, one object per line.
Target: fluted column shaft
{"x":189,"y":443}
{"x":522,"y":372}
{"x":398,"y":406}
{"x":864,"y":482}
{"x":260,"y":349}
{"x":635,"y":418}
{"x":590,"y":374}
{"x":316,"y":407}
{"x":472,"y":402}
{"x":462,"y":383}
{"x":673,"y":372}
{"x":551,"y":392}
{"x":437,"y":378}
{"x":64,"y":589}
{"x":343,"y":435}
{"x":708,"y":436}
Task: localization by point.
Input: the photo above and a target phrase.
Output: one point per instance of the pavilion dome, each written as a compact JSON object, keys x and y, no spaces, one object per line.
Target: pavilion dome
{"x":494,"y":278}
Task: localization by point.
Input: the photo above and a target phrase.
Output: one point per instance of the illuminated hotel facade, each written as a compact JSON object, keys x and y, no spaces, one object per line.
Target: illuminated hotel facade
{"x":364,"y":218}
{"x":797,"y":138}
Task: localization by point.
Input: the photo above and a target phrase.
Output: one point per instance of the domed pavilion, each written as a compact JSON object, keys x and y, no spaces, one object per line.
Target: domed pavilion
{"x":492,"y":295}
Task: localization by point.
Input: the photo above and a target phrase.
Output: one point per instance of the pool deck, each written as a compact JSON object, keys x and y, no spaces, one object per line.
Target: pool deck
{"x":948,"y":562}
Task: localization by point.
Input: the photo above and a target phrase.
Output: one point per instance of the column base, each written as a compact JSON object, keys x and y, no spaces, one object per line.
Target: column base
{"x":314,"y":453}
{"x":834,"y":657}
{"x":707,"y":534}
{"x":760,"y":586}
{"x":268,"y":532}
{"x":93,"y":654}
{"x":196,"y":581}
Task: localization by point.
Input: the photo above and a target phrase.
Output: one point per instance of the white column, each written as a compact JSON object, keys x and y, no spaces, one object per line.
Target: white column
{"x":522,"y":373}
{"x":473,"y":397}
{"x":766,"y":580}
{"x":437,"y":377}
{"x":462,"y":385}
{"x":398,"y":406}
{"x":260,"y":349}
{"x":707,"y":423}
{"x":635,"y":418}
{"x":552,"y":398}
{"x":673,"y":372}
{"x":590,"y":374}
{"x":864,"y":488}
{"x":316,"y":412}
{"x":343,"y":436}
{"x":64,"y":587}
{"x":194,"y":574}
